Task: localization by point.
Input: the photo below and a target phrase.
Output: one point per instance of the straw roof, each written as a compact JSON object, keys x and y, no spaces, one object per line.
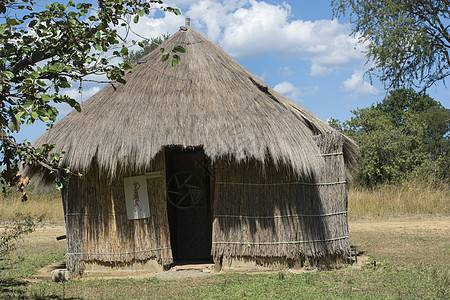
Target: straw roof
{"x":208,"y":100}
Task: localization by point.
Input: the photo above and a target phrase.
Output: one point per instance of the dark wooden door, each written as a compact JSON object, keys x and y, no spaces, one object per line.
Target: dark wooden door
{"x":188,"y":204}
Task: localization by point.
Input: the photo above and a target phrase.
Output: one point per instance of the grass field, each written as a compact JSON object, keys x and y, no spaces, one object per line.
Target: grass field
{"x":412,"y":258}
{"x":408,"y":250}
{"x":411,"y":198}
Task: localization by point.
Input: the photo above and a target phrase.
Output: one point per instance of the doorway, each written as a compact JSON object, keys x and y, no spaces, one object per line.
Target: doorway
{"x":188,"y":204}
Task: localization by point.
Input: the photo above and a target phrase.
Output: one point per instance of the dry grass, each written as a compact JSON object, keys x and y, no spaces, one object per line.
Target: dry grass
{"x":40,"y":203}
{"x":412,"y":262}
{"x":412,"y":198}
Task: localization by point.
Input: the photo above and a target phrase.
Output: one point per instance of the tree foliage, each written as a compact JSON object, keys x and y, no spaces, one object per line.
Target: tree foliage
{"x":406,"y":132}
{"x":408,"y":40}
{"x":43,"y":50}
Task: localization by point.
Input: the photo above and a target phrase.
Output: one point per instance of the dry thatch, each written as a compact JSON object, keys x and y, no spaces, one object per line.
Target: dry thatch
{"x":100,"y":232}
{"x":278,"y":215}
{"x":208,"y":100}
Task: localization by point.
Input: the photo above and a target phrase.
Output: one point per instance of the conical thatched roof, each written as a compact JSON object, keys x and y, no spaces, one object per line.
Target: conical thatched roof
{"x":208,"y":100}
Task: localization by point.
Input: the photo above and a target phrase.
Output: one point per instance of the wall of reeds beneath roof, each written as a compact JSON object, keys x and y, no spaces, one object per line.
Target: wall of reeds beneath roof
{"x":264,"y":211}
{"x":98,"y":229}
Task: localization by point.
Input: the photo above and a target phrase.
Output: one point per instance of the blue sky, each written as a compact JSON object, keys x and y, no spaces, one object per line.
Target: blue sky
{"x":294,"y":46}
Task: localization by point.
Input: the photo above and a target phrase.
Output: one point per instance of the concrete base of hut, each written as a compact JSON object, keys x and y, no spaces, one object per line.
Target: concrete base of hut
{"x":273,"y":264}
{"x":96,"y":269}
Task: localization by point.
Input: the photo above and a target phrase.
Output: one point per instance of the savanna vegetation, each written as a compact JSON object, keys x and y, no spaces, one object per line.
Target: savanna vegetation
{"x":408,"y":259}
{"x":403,"y":164}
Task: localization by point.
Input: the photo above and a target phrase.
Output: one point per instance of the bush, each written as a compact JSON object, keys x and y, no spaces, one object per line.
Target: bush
{"x":13,"y":233}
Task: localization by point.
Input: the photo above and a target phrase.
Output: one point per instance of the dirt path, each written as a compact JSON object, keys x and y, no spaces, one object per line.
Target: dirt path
{"x":424,"y":223}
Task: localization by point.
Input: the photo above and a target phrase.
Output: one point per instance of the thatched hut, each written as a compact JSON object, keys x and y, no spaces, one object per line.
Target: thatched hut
{"x":200,"y":162}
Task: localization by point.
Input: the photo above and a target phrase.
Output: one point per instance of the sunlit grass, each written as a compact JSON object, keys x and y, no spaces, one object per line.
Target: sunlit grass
{"x":47,"y":203}
{"x":411,"y":198}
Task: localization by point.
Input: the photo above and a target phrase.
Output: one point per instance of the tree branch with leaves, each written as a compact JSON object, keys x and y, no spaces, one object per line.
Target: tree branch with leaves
{"x":43,"y":50}
{"x":408,"y":40}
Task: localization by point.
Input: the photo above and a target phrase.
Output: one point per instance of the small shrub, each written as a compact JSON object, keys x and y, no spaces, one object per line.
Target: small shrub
{"x":12,"y":234}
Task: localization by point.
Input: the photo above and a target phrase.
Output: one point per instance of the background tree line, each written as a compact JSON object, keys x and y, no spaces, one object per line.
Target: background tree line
{"x":406,"y":134}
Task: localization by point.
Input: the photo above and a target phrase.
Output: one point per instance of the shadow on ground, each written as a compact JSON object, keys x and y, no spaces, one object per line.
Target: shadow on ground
{"x":11,"y":288}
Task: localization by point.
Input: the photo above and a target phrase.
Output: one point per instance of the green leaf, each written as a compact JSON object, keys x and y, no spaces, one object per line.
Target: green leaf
{"x":175,"y":60}
{"x":12,"y":126}
{"x":44,"y":119}
{"x":12,"y":21}
{"x":34,"y":75}
{"x":136,"y":19}
{"x":77,"y":107}
{"x":178,"y":49}
{"x":2,"y":29}
{"x":41,"y":82}
{"x":165,"y":56}
{"x":127,"y":66}
{"x":45,"y":98}
{"x":7,"y":74}
{"x":34,"y":115}
{"x":28,"y":105}
{"x":65,"y":84}
{"x":124,"y":51}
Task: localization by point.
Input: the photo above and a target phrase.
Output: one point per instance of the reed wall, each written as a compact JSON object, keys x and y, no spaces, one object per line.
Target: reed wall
{"x":265,"y":211}
{"x":97,"y":226}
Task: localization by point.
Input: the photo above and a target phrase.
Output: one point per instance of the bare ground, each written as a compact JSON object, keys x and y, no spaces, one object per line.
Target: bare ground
{"x":425,"y":224}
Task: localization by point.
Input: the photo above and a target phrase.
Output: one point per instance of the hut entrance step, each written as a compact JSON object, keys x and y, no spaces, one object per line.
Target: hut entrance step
{"x":188,"y":204}
{"x":202,"y":266}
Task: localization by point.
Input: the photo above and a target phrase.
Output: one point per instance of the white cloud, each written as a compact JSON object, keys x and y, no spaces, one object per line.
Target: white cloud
{"x":260,"y":29}
{"x":150,"y":27}
{"x":249,"y":28}
{"x":356,"y":84}
{"x":289,"y":90}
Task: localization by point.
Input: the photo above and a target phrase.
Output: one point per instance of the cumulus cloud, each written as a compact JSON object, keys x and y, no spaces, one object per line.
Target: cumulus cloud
{"x":151,"y":27}
{"x":261,"y":29}
{"x":293,"y":92}
{"x":356,"y":84}
{"x":250,"y":28}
